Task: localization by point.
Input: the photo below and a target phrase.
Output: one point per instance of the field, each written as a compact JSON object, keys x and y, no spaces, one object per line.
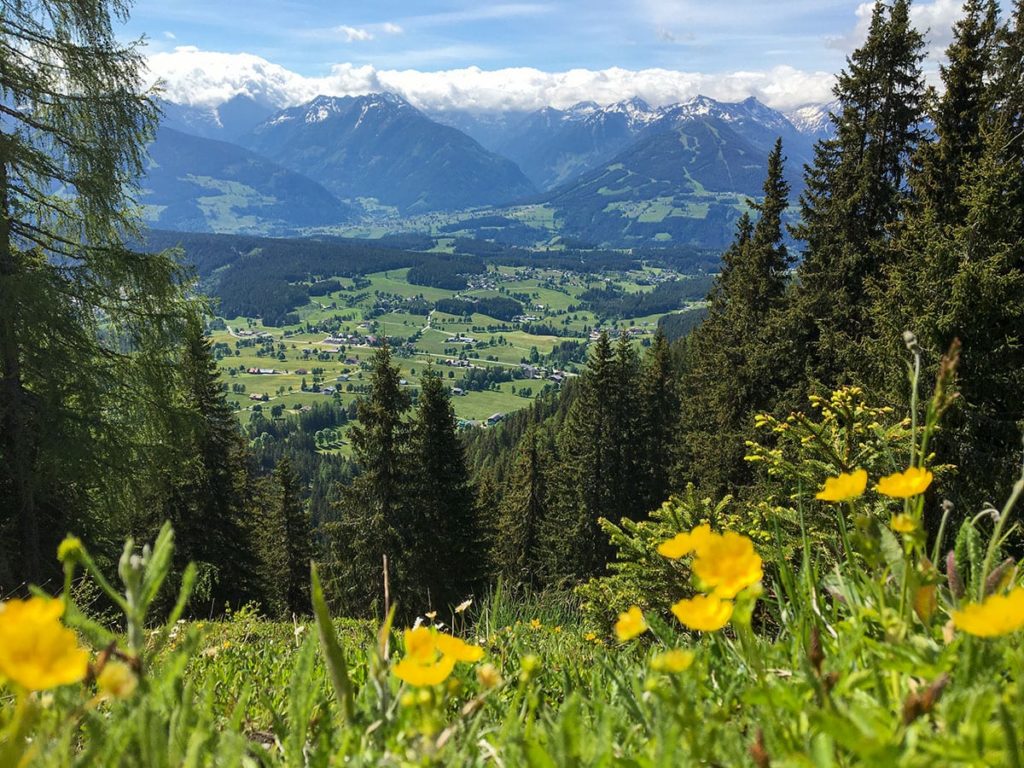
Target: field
{"x":327,"y":353}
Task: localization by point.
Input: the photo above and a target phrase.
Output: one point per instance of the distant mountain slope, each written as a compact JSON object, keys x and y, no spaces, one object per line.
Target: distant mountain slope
{"x":203,"y":185}
{"x":238,"y":115}
{"x":686,"y":180}
{"x":381,"y":146}
{"x":553,"y":146}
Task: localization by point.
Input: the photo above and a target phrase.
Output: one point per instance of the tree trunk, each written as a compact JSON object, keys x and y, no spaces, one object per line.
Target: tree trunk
{"x":15,"y":433}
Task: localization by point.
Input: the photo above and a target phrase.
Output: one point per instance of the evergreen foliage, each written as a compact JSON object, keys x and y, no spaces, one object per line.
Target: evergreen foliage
{"x":84,"y":323}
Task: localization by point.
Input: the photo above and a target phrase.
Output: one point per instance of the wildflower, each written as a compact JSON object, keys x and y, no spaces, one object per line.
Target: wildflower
{"x":430,"y":656}
{"x":590,"y":637}
{"x":848,"y":486}
{"x":36,"y":651}
{"x":997,"y":615}
{"x":728,"y":564}
{"x":431,"y":615}
{"x":463,"y":605}
{"x":534,"y":623}
{"x":903,"y":485}
{"x":675,"y":661}
{"x":69,"y":549}
{"x":630,"y":624}
{"x":683,"y":544}
{"x":117,"y":680}
{"x":903,"y":523}
{"x":458,"y":649}
{"x":488,"y":676}
{"x":705,"y":613}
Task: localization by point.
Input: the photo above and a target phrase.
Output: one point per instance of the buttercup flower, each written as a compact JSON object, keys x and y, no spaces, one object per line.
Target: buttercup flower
{"x":997,"y":615}
{"x":458,"y":649}
{"x":36,"y":651}
{"x":630,"y":624}
{"x":117,"y":680}
{"x":430,"y":656}
{"x":903,"y":523}
{"x":488,"y":676}
{"x":675,"y":661}
{"x":849,"y":485}
{"x":903,"y":485}
{"x":705,"y":613}
{"x":728,"y":564}
{"x":534,"y":623}
{"x":683,"y":544}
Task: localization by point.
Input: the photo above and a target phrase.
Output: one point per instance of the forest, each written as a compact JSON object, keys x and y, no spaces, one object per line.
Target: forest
{"x":677,"y":550}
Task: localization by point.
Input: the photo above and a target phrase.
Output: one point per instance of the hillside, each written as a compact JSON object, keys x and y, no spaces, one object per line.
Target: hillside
{"x":379,"y":146}
{"x":204,"y":185}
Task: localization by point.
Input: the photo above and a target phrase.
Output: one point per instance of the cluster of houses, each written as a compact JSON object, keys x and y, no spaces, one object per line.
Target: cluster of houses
{"x":253,"y":334}
{"x":614,"y":333}
{"x":539,"y":372}
{"x":352,"y":340}
{"x":262,"y":371}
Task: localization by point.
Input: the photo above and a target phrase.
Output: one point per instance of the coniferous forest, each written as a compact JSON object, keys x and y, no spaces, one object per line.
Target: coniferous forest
{"x":672,"y":559}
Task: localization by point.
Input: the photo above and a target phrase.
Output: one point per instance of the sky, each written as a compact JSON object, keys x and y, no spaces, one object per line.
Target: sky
{"x":510,"y":55}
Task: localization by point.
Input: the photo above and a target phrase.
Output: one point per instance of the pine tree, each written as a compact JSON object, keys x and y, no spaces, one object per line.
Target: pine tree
{"x":297,"y":542}
{"x":442,"y":532}
{"x":958,"y":113}
{"x":659,"y":416}
{"x":209,"y":484}
{"x":855,"y":191}
{"x":370,"y":525}
{"x":733,"y":363}
{"x":79,"y":404}
{"x":523,"y":513}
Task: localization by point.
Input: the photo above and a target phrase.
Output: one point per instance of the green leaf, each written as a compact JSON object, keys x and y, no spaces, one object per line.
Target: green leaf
{"x":334,"y":656}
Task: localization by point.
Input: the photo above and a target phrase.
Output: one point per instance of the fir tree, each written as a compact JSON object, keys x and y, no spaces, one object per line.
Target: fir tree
{"x":297,"y":542}
{"x":733,"y":363}
{"x":442,"y":533}
{"x":370,"y":524}
{"x":659,"y":416}
{"x":523,"y":512}
{"x":854,"y":191}
{"x":958,"y":113}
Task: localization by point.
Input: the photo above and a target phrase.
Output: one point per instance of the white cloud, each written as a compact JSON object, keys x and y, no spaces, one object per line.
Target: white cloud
{"x":170,"y":35}
{"x":934,"y":20}
{"x":391,"y":29}
{"x":354,"y":34}
{"x":206,"y":78}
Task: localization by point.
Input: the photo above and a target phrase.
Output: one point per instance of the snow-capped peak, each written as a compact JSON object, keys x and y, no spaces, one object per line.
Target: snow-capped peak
{"x":813,"y":119}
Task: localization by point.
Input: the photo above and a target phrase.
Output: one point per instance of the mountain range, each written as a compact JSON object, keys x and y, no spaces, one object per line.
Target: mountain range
{"x":620,"y":173}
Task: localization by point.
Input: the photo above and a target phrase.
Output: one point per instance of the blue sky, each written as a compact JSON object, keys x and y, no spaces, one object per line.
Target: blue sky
{"x":765,"y":46}
{"x":308,"y":37}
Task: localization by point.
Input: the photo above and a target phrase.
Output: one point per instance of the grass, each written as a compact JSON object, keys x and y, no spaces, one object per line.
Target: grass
{"x":497,"y":343}
{"x":844,"y":645}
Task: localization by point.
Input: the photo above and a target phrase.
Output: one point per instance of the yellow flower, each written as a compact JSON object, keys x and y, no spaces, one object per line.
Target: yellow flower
{"x":422,"y":674}
{"x":590,"y":637}
{"x":728,"y":564}
{"x":458,"y":649}
{"x":630,"y":624}
{"x":117,"y":680}
{"x":430,"y":656}
{"x":683,"y":544}
{"x":845,"y":487}
{"x":903,"y":523}
{"x":37,"y":651}
{"x":534,"y":623}
{"x":488,"y":676}
{"x":69,"y":549}
{"x":705,"y":613}
{"x":997,"y":615}
{"x":675,"y":661}
{"x":903,"y":485}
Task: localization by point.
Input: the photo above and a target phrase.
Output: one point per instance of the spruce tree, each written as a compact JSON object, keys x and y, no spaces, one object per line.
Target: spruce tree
{"x":208,"y":485}
{"x":958,"y":112}
{"x":371,"y":524}
{"x":855,"y":191}
{"x":659,"y":418}
{"x":442,"y":534}
{"x":734,"y":366}
{"x":297,"y":542}
{"x":523,"y":513}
